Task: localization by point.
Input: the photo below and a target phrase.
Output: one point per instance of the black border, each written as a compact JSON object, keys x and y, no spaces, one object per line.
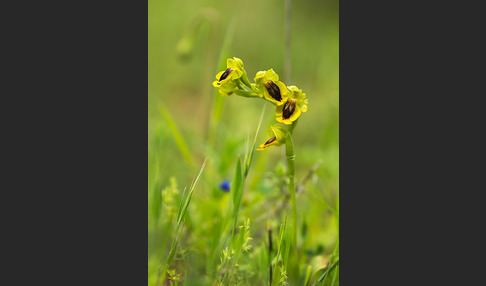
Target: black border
{"x":78,"y":82}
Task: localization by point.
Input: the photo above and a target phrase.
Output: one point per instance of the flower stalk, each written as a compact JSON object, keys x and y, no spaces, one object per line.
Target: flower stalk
{"x":289,"y":148}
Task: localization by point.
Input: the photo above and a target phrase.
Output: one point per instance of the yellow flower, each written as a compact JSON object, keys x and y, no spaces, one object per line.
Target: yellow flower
{"x":292,"y":107}
{"x":278,"y":135}
{"x":269,"y":86}
{"x":233,"y":72}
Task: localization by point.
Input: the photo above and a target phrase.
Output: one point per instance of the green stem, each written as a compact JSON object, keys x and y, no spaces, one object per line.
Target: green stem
{"x":245,"y":93}
{"x":289,"y":145}
{"x":292,"y":126}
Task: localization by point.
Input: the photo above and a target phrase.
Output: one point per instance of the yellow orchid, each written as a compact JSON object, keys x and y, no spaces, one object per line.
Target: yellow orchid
{"x":278,"y":135}
{"x":293,"y":107}
{"x":235,"y":69}
{"x":268,"y":85}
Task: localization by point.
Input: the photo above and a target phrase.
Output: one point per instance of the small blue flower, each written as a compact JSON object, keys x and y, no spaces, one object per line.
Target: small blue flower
{"x":225,"y":186}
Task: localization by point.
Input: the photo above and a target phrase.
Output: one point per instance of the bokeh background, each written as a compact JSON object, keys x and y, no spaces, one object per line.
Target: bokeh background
{"x":188,"y":41}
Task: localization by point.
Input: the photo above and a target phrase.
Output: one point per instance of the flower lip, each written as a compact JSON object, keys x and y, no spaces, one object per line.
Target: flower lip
{"x":278,"y":135}
{"x":270,"y":141}
{"x":288,"y":108}
{"x":273,"y":90}
{"x":267,"y":144}
{"x":226,"y":74}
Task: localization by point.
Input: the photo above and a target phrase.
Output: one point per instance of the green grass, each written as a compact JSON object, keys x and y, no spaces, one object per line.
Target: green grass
{"x":198,"y":234}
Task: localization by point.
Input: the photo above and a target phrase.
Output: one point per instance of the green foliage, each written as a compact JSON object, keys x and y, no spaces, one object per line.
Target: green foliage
{"x":282,"y":257}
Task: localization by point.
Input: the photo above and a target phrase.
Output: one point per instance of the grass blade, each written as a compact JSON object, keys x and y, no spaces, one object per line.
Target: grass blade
{"x":189,"y":196}
{"x":331,"y":265}
{"x":180,"y":223}
{"x":180,"y":142}
{"x":249,"y":154}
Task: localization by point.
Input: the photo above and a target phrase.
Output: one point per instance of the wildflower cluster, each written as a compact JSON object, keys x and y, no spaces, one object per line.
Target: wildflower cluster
{"x":290,"y":101}
{"x":169,"y":197}
{"x":173,"y":277}
{"x":228,"y":265}
{"x":226,"y":256}
{"x":245,"y":235}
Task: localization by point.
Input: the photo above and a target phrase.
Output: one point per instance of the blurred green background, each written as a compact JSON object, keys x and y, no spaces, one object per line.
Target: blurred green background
{"x":185,"y":40}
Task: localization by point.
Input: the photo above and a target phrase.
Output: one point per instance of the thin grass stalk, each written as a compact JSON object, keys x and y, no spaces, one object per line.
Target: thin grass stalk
{"x":330,"y":269}
{"x":270,"y":254}
{"x":184,"y":204}
{"x":288,"y":42}
{"x":330,"y":266}
{"x":179,"y":139}
{"x":308,"y":275}
{"x":217,"y":106}
{"x":279,"y":246}
{"x":334,"y":275}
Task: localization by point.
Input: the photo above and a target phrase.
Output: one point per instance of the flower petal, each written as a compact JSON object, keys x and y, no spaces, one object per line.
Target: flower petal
{"x":238,"y":63}
{"x":271,"y":75}
{"x":304,"y":105}
{"x":284,"y":121}
{"x":218,"y":76}
{"x":259,"y":75}
{"x":296,"y":114}
{"x":230,"y":63}
{"x":236,"y":74}
{"x":223,"y":93}
{"x":283,"y":89}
